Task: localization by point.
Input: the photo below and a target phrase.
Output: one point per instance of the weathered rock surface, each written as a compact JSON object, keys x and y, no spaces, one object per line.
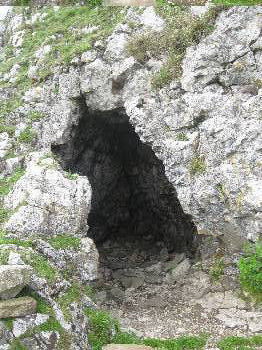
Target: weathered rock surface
{"x":13,"y":279}
{"x":216,"y":107}
{"x":17,"y":307}
{"x":48,"y":202}
{"x":126,"y":347}
{"x":21,"y":325}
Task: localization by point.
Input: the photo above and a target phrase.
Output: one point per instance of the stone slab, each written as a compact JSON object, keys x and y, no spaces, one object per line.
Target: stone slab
{"x":17,"y":307}
{"x":13,"y":278}
{"x":126,"y":347}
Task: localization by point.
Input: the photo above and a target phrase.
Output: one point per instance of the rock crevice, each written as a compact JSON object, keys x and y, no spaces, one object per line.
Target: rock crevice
{"x":131,"y":195}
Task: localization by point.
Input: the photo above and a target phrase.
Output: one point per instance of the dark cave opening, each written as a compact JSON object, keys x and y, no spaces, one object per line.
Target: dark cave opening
{"x":132,"y":200}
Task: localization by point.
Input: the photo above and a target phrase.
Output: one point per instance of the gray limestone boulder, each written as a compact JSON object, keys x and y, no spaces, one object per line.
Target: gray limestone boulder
{"x":48,"y":201}
{"x":13,"y":278}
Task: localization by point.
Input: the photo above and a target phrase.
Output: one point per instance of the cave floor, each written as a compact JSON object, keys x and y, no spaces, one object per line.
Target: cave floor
{"x":161,"y":295}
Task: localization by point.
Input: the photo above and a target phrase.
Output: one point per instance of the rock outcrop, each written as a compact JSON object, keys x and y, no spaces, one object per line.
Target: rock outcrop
{"x":204,"y":129}
{"x":13,"y":279}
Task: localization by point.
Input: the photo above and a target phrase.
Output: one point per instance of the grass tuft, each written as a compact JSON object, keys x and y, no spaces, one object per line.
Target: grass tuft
{"x":250,"y":268}
{"x":7,"y":182}
{"x":181,"y":31}
{"x":241,"y":343}
{"x":217,"y":269}
{"x":65,"y":242}
{"x":27,"y":135}
{"x":197,"y":165}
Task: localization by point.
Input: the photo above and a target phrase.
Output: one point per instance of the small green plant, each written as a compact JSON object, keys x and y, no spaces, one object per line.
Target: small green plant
{"x":217,"y":269}
{"x":8,"y":323}
{"x":35,"y":116}
{"x":181,"y":343}
{"x":27,"y":135}
{"x":71,"y":176}
{"x":181,"y":30}
{"x":197,"y":165}
{"x":10,"y":129}
{"x":9,"y":106}
{"x":126,"y":338}
{"x":16,"y":345}
{"x":162,"y":77}
{"x":72,"y":294}
{"x":239,"y":200}
{"x":237,"y":2}
{"x":241,"y":343}
{"x":65,"y":242}
{"x":181,"y":137}
{"x":4,"y":215}
{"x":7,"y":182}
{"x":56,"y":89}
{"x":223,"y":193}
{"x":41,"y":266}
{"x":102,"y":327}
{"x":250,"y":269}
{"x":65,"y":340}
{"x":16,"y":241}
{"x":258,"y":83}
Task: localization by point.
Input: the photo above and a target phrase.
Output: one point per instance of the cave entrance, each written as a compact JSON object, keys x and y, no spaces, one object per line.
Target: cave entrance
{"x":135,"y":215}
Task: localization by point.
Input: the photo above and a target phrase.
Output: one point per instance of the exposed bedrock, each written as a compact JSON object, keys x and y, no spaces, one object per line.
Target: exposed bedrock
{"x":131,"y":194}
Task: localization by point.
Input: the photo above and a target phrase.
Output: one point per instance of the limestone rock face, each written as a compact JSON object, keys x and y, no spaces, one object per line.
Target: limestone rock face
{"x":87,"y":260}
{"x":205,"y":128}
{"x":21,"y":325}
{"x":17,"y":307}
{"x":215,"y":166}
{"x":13,"y":278}
{"x":48,"y":202}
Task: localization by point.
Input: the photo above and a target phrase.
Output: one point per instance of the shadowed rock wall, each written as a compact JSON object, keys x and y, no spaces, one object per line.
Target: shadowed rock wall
{"x":131,"y":194}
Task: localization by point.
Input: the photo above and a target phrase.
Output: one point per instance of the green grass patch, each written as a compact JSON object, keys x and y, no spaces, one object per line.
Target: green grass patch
{"x":34,"y":116}
{"x":65,"y":242}
{"x":65,"y":340}
{"x":101,"y":328}
{"x":41,"y":266}
{"x":62,"y":30}
{"x":104,"y":329}
{"x":237,"y":2}
{"x":240,"y":343}
{"x":71,"y":176}
{"x":181,"y":137}
{"x":217,"y":269}
{"x":16,"y":345}
{"x":8,"y":323}
{"x":197,"y":165}
{"x":7,"y":182}
{"x":181,"y":31}
{"x":126,"y":338}
{"x":10,"y":129}
{"x":16,"y":241}
{"x":9,"y":105}
{"x":27,"y":135}
{"x":181,"y":343}
{"x":4,"y":215}
{"x":72,"y":294}
{"x":250,"y":269}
